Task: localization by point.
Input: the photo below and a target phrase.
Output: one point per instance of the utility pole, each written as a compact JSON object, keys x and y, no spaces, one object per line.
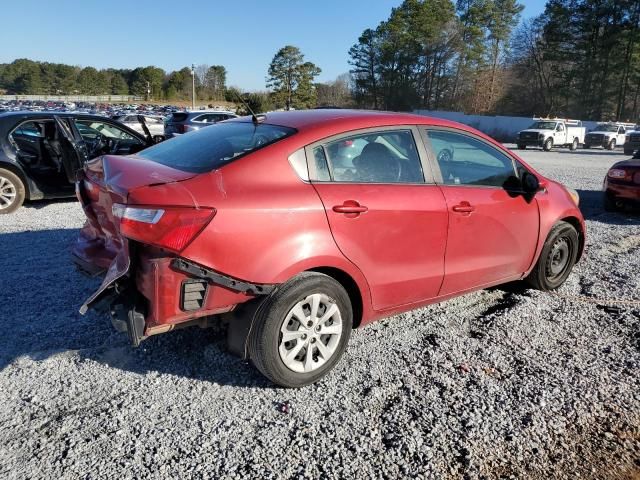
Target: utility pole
{"x":193,"y":86}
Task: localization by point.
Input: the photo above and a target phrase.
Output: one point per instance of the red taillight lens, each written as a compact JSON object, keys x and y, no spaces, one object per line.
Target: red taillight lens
{"x":172,"y":228}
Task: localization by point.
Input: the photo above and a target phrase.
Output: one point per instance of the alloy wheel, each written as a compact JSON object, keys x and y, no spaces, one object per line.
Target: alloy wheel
{"x":310,"y":333}
{"x":8,"y":193}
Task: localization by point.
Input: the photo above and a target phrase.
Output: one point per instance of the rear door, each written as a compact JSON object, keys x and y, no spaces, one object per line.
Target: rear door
{"x":385,"y":213}
{"x":493,"y":227}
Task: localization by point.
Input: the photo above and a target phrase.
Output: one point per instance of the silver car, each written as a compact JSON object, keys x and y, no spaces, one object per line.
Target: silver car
{"x":183,"y":122}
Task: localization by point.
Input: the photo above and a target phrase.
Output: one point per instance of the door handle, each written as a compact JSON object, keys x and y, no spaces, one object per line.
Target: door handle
{"x":350,"y":207}
{"x":464,"y":207}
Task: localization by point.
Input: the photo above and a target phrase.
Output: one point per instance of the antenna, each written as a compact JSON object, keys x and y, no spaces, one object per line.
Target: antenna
{"x":254,"y":118}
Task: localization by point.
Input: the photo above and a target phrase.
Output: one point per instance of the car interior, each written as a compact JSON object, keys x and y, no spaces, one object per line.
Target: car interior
{"x":378,"y":158}
{"x":43,"y":150}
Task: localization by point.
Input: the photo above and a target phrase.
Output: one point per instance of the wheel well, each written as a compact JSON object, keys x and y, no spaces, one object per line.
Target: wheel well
{"x":15,"y":170}
{"x":350,"y":286}
{"x":575,"y":223}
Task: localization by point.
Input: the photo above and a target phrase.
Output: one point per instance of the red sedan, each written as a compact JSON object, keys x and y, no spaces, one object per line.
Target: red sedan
{"x":622,"y":185}
{"x":301,"y":226}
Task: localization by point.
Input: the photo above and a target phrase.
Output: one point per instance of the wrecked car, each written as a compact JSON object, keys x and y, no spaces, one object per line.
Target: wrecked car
{"x":280,"y":226}
{"x":40,"y":152}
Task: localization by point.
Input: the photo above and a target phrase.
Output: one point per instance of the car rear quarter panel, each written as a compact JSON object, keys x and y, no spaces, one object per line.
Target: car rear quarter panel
{"x":269,"y":224}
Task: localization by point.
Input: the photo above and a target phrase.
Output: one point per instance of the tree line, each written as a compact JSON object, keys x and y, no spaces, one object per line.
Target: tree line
{"x":580,"y":58}
{"x":23,"y":76}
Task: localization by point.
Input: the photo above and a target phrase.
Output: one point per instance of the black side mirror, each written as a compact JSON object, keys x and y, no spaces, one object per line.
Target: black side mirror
{"x":530,"y":183}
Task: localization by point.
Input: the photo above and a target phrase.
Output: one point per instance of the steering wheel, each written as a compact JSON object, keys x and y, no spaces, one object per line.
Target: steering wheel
{"x":112,"y":144}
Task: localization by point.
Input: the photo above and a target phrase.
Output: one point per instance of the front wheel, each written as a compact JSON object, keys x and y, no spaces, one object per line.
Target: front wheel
{"x":612,"y":144}
{"x":301,"y":330}
{"x":522,"y":146}
{"x":12,"y":191}
{"x":557,"y":258}
{"x":548,"y":144}
{"x":586,"y":146}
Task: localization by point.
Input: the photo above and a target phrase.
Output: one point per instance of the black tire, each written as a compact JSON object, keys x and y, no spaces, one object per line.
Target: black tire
{"x":612,"y":144}
{"x":609,"y":203}
{"x":265,"y":335}
{"x":12,"y":192}
{"x":557,"y":258}
{"x":548,"y":144}
{"x":628,"y":152}
{"x":574,"y":144}
{"x":522,"y":147}
{"x":586,"y":146}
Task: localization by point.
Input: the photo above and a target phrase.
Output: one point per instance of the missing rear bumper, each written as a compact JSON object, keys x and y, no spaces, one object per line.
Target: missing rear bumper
{"x":219,"y":279}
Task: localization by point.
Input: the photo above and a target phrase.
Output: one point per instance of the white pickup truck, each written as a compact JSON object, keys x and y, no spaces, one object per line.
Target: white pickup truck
{"x":552,"y":132}
{"x":608,"y":135}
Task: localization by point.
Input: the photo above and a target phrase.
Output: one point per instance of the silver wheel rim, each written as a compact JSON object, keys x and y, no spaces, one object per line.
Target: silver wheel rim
{"x":310,"y":333}
{"x":7,"y":193}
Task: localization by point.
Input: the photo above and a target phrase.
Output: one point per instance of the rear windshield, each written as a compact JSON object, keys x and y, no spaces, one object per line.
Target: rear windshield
{"x":214,"y":146}
{"x":178,"y":117}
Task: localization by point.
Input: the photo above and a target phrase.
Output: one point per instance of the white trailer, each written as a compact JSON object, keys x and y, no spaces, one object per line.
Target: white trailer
{"x":552,"y":132}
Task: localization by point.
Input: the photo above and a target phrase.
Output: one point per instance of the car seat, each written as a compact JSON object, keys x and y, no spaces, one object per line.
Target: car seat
{"x":376,"y":163}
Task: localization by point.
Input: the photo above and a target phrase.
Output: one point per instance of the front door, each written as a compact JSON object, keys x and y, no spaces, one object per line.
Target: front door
{"x":72,"y":148}
{"x":493,"y":228}
{"x":384,"y":216}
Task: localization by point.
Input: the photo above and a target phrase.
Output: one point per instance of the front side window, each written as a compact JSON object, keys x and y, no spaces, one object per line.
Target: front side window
{"x":464,"y":160}
{"x":373,"y":157}
{"x":90,"y":129}
{"x":213,"y":147}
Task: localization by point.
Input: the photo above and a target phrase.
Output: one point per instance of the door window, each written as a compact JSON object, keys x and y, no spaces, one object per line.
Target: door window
{"x":464,"y":160}
{"x":373,"y":157}
{"x":90,"y":129}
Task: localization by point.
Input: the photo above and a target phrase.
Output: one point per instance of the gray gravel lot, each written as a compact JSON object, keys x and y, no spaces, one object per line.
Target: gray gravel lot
{"x":496,"y":384}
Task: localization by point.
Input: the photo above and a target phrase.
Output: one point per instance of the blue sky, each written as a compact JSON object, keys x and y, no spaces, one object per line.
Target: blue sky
{"x":242,"y":35}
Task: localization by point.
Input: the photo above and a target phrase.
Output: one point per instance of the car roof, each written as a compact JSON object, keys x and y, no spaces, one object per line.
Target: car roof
{"x":345,"y":119}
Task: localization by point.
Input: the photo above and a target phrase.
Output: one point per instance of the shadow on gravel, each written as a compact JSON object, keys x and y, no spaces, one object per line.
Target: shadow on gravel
{"x":40,"y":293}
{"x":591,"y":205}
{"x":38,"y":204}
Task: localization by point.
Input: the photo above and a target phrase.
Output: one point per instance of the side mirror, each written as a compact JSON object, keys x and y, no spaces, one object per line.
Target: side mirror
{"x":530,"y":183}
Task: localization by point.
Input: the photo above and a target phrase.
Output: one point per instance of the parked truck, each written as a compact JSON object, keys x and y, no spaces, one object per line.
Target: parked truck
{"x":632,"y":140}
{"x":552,"y":132}
{"x":608,"y":135}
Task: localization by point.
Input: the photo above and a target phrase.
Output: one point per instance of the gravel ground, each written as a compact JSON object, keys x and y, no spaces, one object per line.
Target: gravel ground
{"x":496,"y":384}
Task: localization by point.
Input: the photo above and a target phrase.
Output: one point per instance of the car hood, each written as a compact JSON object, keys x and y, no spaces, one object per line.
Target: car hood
{"x":536,"y":130}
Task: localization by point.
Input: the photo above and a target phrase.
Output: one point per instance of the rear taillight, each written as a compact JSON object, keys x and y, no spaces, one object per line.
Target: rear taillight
{"x":618,"y":173}
{"x":172,"y":228}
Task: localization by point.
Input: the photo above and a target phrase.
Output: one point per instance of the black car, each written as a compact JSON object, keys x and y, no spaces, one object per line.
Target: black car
{"x":40,"y":152}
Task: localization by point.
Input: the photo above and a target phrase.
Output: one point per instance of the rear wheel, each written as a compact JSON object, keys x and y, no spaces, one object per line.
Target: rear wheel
{"x":548,"y":144}
{"x":557,"y":258}
{"x":301,"y":330}
{"x":612,"y":144}
{"x":574,"y":144}
{"x":12,"y":191}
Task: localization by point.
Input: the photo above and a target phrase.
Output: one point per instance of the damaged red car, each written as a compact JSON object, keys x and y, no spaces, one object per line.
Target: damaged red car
{"x":300,"y":226}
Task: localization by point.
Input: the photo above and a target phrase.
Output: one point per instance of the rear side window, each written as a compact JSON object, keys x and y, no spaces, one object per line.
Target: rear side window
{"x":212,"y":147}
{"x":388,"y":156}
